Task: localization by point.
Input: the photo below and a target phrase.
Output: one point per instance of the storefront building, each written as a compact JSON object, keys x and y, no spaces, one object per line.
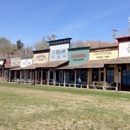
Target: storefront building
{"x":98,"y":71}
{"x":58,"y":55}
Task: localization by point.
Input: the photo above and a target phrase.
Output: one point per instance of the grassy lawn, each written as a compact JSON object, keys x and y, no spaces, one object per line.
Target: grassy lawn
{"x":29,"y":107}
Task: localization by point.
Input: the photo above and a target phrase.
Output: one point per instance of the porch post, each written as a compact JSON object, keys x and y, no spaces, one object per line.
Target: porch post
{"x":104,"y":78}
{"x":88,"y":80}
{"x":54,"y":77}
{"x":20,"y":77}
{"x":48,"y":77}
{"x":30,"y":76}
{"x":117,"y":78}
{"x":25,"y":76}
{"x":64,"y":77}
{"x":75,"y":78}
{"x":9,"y":75}
{"x":36,"y":76}
{"x":41,"y":75}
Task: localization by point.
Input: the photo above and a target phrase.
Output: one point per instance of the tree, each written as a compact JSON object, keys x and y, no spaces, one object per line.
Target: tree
{"x":20,"y":45}
{"x":78,"y":43}
{"x":5,"y":45}
{"x":28,"y":51}
{"x":41,"y":44}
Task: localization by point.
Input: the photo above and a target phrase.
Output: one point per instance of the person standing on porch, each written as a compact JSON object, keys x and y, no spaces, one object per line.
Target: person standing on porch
{"x":79,"y":82}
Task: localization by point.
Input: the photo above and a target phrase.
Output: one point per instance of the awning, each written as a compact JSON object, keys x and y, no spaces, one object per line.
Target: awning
{"x":94,"y":64}
{"x":120,"y":60}
{"x":17,"y":68}
{"x":31,"y":67}
{"x":52,"y":64}
{"x":11,"y":67}
{"x":66,"y":67}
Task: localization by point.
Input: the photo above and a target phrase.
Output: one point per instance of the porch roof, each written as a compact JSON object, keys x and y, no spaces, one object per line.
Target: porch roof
{"x":16,"y":68}
{"x":49,"y":64}
{"x":53,"y":64}
{"x":119,"y":60}
{"x":94,"y":64}
{"x":66,"y":67}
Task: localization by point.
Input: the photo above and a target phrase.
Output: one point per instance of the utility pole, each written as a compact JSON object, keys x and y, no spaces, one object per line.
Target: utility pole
{"x":114,"y":34}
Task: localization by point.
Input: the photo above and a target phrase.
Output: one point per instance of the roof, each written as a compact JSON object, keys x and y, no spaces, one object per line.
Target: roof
{"x":8,"y":56}
{"x":41,"y":51}
{"x":26,"y":57}
{"x":50,"y":64}
{"x":108,"y":47}
{"x":119,"y":60}
{"x":66,"y":67}
{"x":79,"y":48}
{"x":11,"y":67}
{"x":30,"y":67}
{"x":123,"y":39}
{"x":17,"y":68}
{"x":53,"y":64}
{"x":94,"y":64}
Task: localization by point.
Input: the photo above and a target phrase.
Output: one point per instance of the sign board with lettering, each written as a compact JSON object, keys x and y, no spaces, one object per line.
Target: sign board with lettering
{"x":106,"y":53}
{"x":16,"y":61}
{"x":60,"y":54}
{"x":1,"y":62}
{"x":78,"y":56}
{"x":124,"y":49}
{"x":41,"y":57}
{"x":55,"y":47}
{"x":26,"y":62}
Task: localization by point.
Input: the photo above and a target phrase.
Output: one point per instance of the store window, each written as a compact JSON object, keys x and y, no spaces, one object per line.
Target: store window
{"x":110,"y":75}
{"x":71,"y":75}
{"x":126,"y":77}
{"x":95,"y":73}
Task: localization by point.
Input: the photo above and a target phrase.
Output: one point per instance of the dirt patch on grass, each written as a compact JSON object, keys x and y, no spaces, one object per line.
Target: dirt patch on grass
{"x":43,"y":93}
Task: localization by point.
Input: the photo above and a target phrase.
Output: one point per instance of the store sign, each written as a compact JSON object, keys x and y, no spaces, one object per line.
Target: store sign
{"x":124,"y":49}
{"x":26,"y":62}
{"x":78,"y":57}
{"x":61,"y":54}
{"x":1,"y":62}
{"x":15,"y":61}
{"x":103,"y":54}
{"x":41,"y":58}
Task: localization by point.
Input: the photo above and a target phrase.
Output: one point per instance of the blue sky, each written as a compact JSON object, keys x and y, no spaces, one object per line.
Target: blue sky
{"x":31,"y":20}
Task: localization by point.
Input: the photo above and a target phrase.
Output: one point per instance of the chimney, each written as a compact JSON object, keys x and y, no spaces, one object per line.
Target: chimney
{"x":8,"y":55}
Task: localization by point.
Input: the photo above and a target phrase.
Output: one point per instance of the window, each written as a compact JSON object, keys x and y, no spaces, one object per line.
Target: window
{"x":82,"y":74}
{"x":126,"y":77}
{"x":71,"y":75}
{"x":95,"y":73}
{"x":110,"y":75}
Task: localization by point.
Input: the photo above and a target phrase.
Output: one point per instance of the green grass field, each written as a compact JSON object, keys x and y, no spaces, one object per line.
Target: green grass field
{"x":29,"y":107}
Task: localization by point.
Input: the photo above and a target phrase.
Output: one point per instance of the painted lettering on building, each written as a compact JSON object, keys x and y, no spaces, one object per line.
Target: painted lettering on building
{"x":15,"y":61}
{"x":78,"y":57}
{"x":103,"y":54}
{"x":61,"y":54}
{"x":41,"y":58}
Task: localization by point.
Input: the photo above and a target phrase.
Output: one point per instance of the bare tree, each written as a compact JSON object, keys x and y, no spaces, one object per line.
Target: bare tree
{"x":5,"y":45}
{"x":41,"y":44}
{"x":78,"y":43}
{"x":28,"y":51}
